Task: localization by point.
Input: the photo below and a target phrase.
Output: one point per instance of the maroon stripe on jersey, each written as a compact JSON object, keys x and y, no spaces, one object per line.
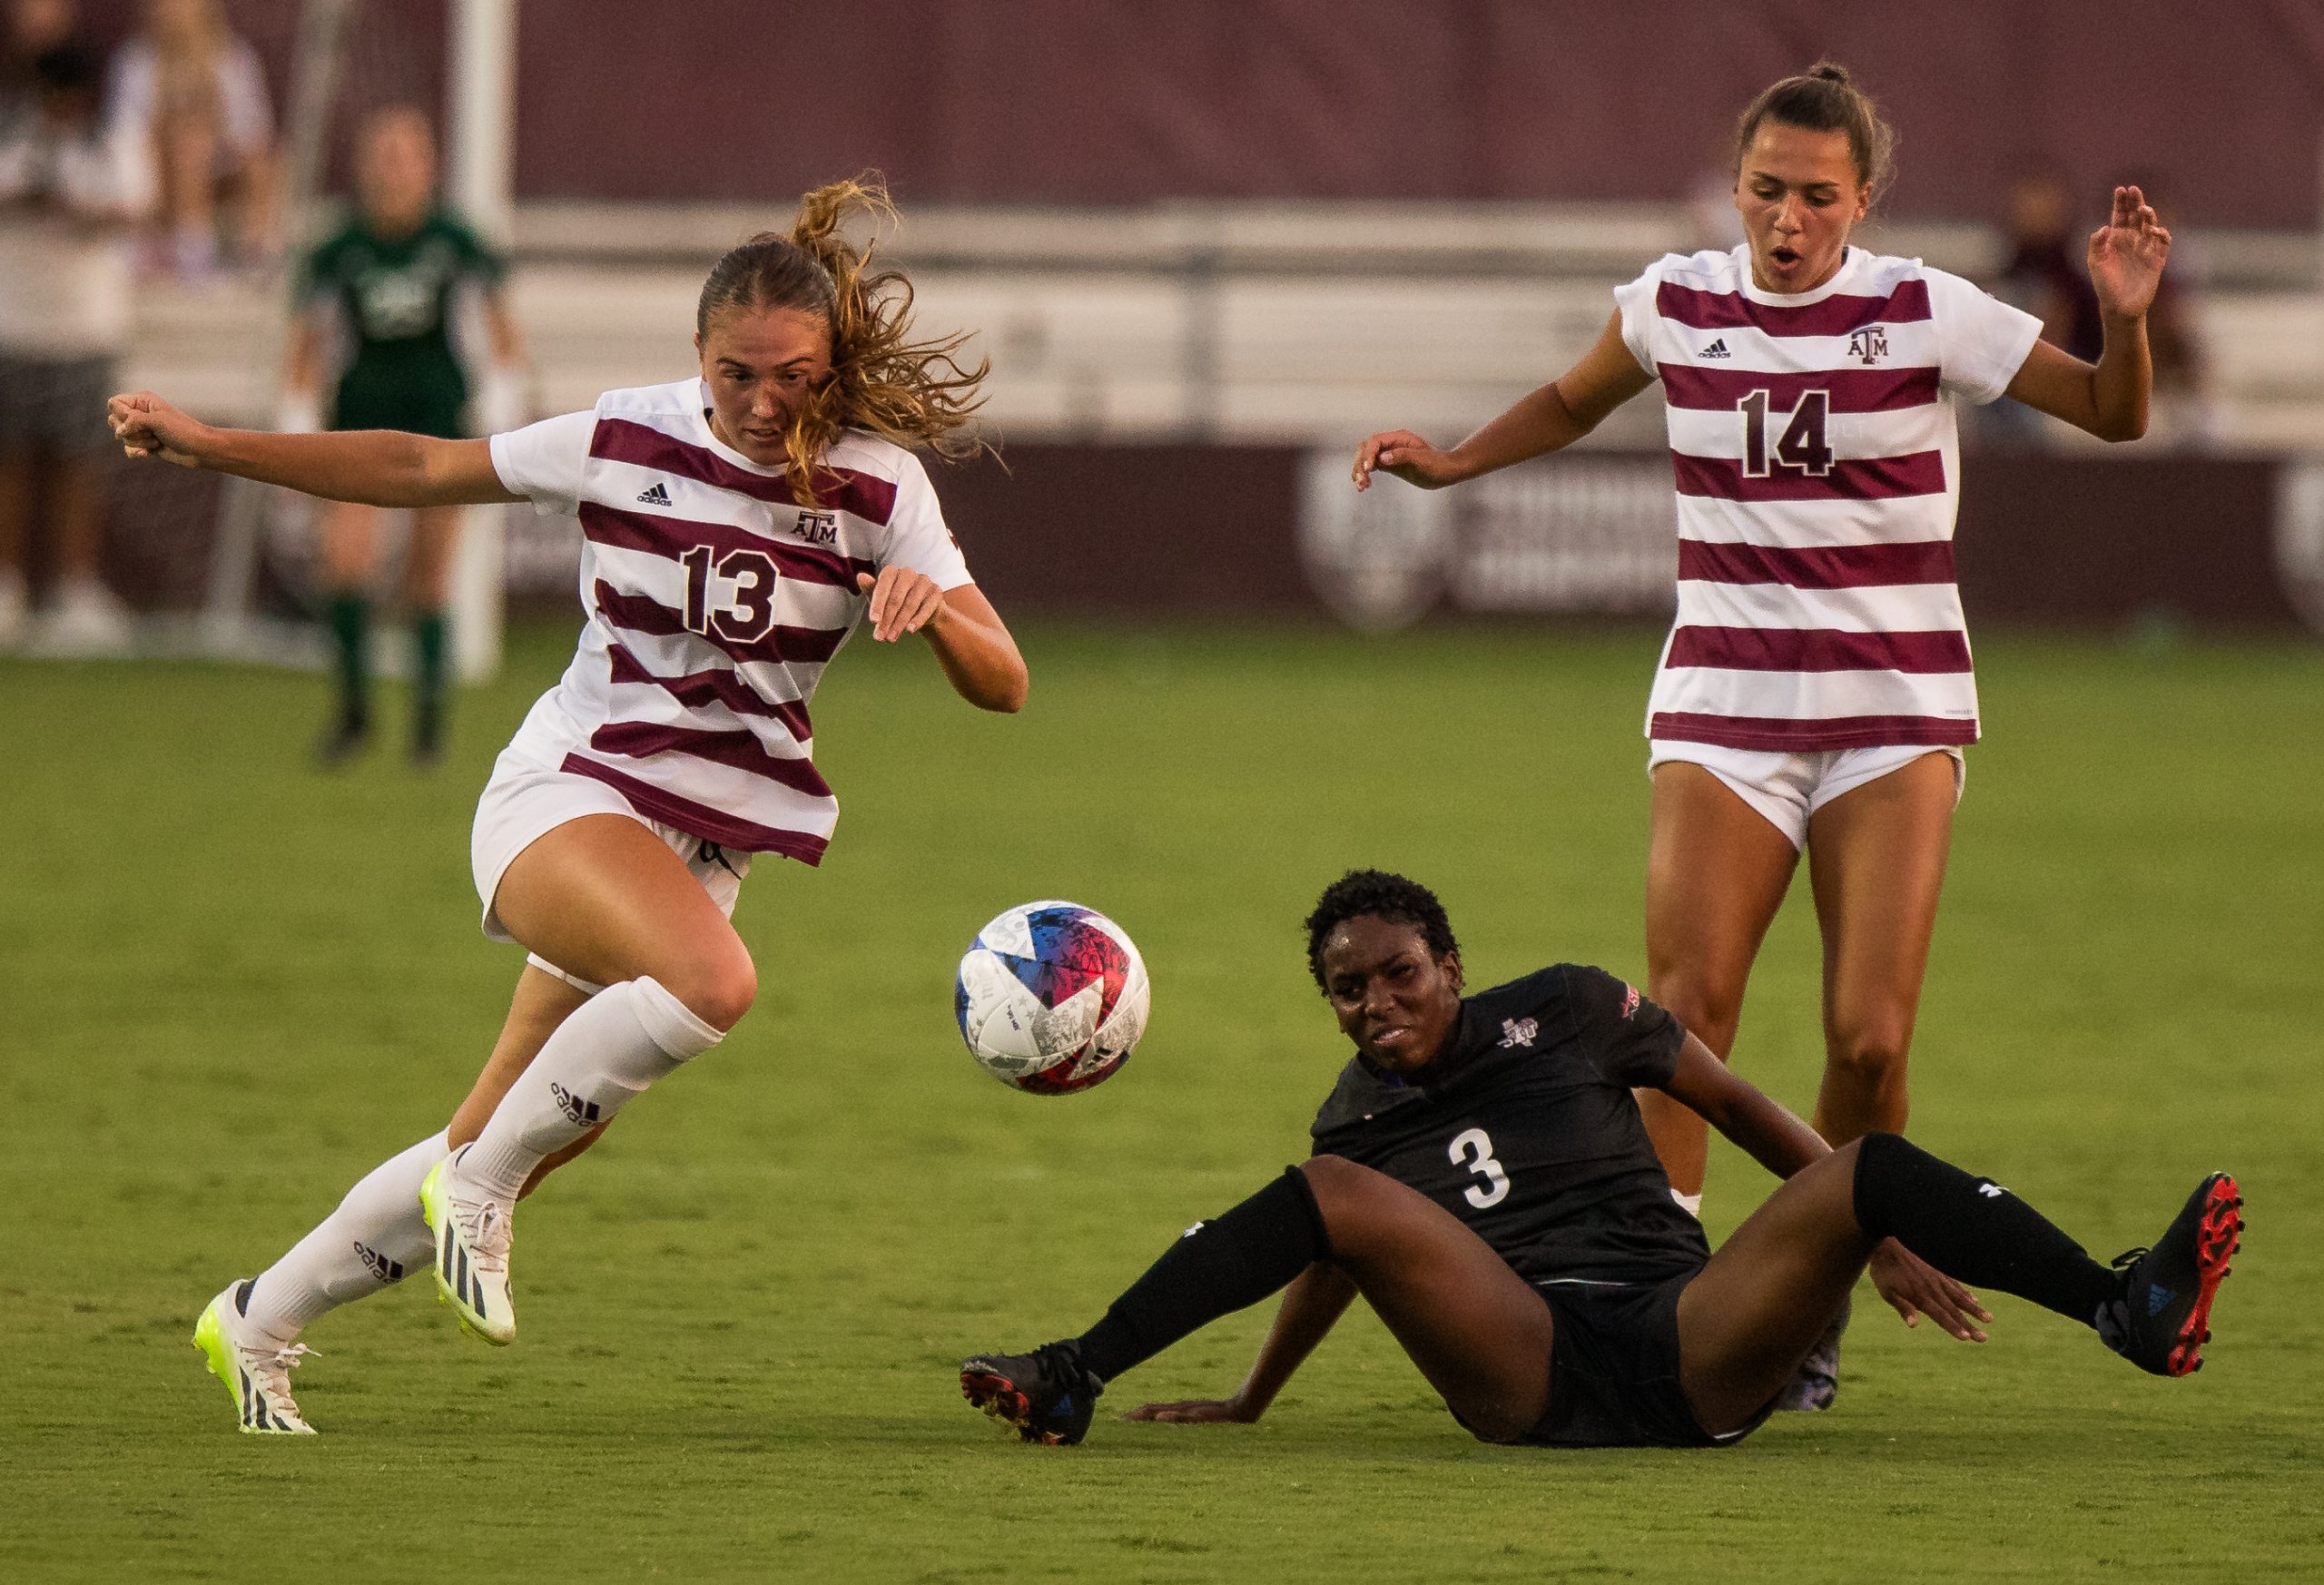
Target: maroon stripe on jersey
{"x":1818,"y":649}
{"x":836,"y":488}
{"x":1833,"y":316}
{"x":1854,"y":479}
{"x":641,"y":615}
{"x":1775,"y":734}
{"x":740,"y":751}
{"x":674,"y":536}
{"x":1840,"y":567}
{"x":699,"y":819}
{"x":697,"y":689}
{"x":1850,"y":391}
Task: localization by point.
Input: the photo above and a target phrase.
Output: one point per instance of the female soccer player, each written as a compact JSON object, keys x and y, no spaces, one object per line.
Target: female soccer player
{"x":1816,"y":690}
{"x":390,"y":283}
{"x":738,"y":525}
{"x":1483,"y":1178}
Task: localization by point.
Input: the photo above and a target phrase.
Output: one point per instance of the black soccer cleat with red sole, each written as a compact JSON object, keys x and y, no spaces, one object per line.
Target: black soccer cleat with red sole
{"x":1049,"y":1396}
{"x":2162,"y":1319}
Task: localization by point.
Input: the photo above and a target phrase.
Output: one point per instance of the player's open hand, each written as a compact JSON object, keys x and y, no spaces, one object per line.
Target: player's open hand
{"x":146,"y":426}
{"x":1407,"y":457}
{"x":2127,"y":255}
{"x":902,"y":601}
{"x":1196,"y":1412}
{"x":1916,"y":1288}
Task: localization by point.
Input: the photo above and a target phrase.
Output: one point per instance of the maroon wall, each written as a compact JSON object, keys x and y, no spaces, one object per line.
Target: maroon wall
{"x":2218,"y":106}
{"x":1171,"y":530}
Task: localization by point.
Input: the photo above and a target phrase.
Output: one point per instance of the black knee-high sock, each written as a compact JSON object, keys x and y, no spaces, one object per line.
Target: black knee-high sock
{"x":1217,"y":1267}
{"x":1973,"y":1230}
{"x":349,"y":619}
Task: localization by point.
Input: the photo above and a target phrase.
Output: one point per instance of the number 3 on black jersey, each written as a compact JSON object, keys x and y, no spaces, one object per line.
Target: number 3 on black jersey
{"x":1495,"y":1187}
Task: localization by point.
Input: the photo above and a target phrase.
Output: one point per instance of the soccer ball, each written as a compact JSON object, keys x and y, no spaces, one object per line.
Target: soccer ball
{"x":1051,"y":997}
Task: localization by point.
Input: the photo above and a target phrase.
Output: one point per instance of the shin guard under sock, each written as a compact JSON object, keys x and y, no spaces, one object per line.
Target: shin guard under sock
{"x":1217,"y":1267}
{"x":375,"y":1236}
{"x":603,"y":1056}
{"x":1973,"y":1230}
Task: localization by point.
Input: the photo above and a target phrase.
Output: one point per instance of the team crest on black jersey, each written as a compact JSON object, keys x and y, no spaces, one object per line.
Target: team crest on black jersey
{"x":1516,"y":1032}
{"x":1868,"y":345}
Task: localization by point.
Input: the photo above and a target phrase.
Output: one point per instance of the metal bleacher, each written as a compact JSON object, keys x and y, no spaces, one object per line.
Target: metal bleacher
{"x":1235,"y":322}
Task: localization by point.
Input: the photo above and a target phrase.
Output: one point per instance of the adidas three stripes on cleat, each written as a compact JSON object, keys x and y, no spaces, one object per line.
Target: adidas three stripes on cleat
{"x":2162,"y":1318}
{"x":255,"y":1369}
{"x":472,"y":1243}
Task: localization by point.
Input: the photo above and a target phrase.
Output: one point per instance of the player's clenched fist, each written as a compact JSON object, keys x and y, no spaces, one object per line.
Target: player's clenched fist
{"x":146,"y":426}
{"x":902,"y":601}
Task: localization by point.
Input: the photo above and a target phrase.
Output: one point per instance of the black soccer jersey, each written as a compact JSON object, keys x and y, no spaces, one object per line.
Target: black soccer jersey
{"x":1524,"y":1128}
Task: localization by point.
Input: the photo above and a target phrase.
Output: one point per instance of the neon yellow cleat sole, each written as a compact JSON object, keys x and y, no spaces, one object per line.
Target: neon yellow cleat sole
{"x":258,"y":1377}
{"x":474,"y":1282}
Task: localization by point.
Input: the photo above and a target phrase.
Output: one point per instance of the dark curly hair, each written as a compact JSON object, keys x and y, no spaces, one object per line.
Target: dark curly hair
{"x":1380,"y":895}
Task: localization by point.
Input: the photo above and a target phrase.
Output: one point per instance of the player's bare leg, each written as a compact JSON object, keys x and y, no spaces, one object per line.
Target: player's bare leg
{"x":604,"y":899}
{"x":17,"y":470}
{"x":1480,"y":1333}
{"x":1877,"y":861}
{"x":1769,"y":1294}
{"x":1715,"y":874}
{"x":541,"y":1003}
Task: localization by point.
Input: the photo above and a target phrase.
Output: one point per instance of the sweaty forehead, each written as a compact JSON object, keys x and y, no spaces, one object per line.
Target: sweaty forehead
{"x":1799,"y":156}
{"x":757,"y":337}
{"x":1367,"y":943}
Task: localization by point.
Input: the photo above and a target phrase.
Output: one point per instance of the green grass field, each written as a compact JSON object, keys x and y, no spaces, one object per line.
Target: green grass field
{"x":229,"y":986}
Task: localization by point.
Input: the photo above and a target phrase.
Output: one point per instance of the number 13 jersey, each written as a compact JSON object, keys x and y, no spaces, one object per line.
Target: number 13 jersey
{"x":715,"y":599}
{"x":1524,"y":1128}
{"x":1818,"y":464}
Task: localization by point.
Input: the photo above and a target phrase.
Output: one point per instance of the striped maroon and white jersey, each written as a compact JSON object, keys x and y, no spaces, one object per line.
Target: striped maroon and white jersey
{"x":1813,"y":441}
{"x":715,"y":599}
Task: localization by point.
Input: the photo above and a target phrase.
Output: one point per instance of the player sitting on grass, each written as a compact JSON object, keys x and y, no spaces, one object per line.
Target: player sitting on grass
{"x":1484,"y":1179}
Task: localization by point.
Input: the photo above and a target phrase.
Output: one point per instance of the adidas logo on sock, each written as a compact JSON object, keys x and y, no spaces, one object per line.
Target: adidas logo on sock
{"x":386,"y":1270}
{"x":584,"y":1112}
{"x":656,"y":495}
{"x":1716,"y":349}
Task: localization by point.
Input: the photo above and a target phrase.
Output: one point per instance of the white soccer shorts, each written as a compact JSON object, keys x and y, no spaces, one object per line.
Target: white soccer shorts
{"x":525,"y":800}
{"x":1790,"y":788}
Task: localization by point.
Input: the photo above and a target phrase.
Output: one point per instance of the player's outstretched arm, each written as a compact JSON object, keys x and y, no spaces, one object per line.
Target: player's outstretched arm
{"x":971,"y":643}
{"x":2109,"y":399}
{"x":373,"y":467}
{"x":1780,"y":1141}
{"x":1555,"y":416}
{"x":1312,"y":1303}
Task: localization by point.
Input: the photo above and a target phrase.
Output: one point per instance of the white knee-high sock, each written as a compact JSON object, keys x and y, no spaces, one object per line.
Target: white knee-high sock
{"x":613,"y":1046}
{"x":375,"y":1236}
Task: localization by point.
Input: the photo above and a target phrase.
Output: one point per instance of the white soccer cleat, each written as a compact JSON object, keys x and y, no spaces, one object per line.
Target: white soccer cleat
{"x":472,"y":1241}
{"x":255,"y":1369}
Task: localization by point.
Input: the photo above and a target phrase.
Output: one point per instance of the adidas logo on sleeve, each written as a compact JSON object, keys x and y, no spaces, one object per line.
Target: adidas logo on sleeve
{"x":655,"y":495}
{"x":1716,"y":349}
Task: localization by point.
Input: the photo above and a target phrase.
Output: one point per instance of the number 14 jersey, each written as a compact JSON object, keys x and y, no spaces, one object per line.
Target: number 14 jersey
{"x":1814,"y":446}
{"x":715,"y":599}
{"x":1524,"y":1128}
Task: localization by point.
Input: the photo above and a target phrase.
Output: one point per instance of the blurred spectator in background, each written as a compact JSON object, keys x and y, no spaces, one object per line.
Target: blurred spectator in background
{"x":73,"y":190}
{"x":194,"y":87}
{"x":34,"y":28}
{"x":2046,"y":275}
{"x":387,"y":289}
